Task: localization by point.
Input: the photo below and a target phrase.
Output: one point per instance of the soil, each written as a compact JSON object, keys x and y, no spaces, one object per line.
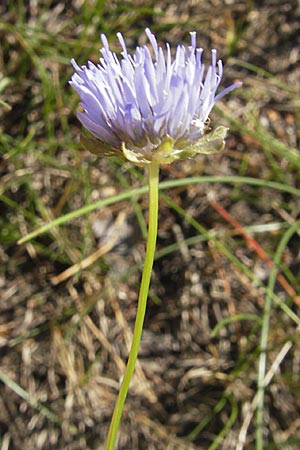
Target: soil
{"x":65,"y":339}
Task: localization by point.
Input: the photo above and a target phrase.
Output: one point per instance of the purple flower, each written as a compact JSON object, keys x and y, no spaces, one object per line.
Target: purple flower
{"x":145,"y":108}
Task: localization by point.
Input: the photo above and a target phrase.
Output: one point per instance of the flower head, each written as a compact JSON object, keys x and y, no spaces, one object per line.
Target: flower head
{"x":145,"y":108}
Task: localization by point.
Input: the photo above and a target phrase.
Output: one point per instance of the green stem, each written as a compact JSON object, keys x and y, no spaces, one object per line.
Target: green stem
{"x":142,"y":303}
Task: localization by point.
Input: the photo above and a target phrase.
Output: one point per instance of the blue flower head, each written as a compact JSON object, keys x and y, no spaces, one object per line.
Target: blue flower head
{"x":145,"y":108}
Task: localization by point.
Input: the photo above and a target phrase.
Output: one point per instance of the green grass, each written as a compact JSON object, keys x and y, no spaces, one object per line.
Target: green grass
{"x":58,"y":373}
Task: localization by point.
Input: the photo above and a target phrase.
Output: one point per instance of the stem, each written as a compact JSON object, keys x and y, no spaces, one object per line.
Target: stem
{"x":142,"y":303}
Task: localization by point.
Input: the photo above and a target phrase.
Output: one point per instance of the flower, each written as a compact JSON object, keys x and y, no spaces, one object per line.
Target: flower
{"x":143,"y":108}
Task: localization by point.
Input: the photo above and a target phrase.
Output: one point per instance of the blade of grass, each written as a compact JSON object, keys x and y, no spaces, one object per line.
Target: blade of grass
{"x":223,"y":249}
{"x":232,"y":319}
{"x":229,"y":423}
{"x":252,"y":243}
{"x":28,"y":398}
{"x":164,"y":185}
{"x":260,"y":134}
{"x":205,"y":421}
{"x":265,"y":333}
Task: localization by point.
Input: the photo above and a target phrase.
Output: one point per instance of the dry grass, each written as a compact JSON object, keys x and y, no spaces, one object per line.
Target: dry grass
{"x":68,"y":298}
